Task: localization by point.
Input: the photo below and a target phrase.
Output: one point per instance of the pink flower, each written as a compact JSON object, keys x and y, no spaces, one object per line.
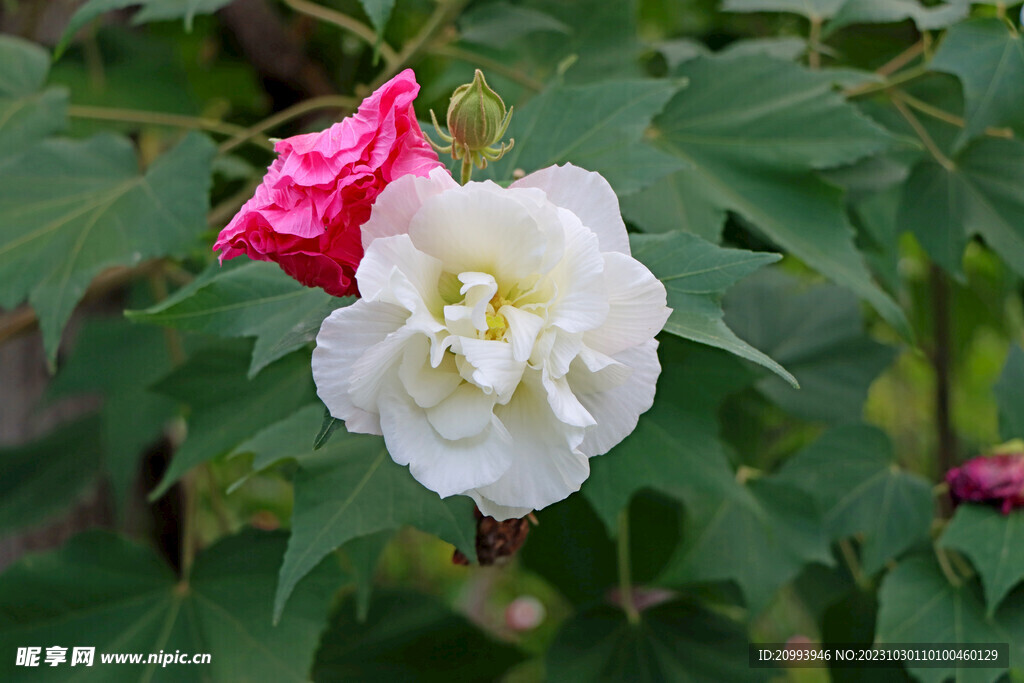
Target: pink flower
{"x":307,"y":213}
{"x":989,"y":479}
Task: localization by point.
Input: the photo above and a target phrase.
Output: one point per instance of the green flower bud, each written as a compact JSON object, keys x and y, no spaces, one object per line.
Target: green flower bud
{"x":476,"y":115}
{"x":477,"y":120}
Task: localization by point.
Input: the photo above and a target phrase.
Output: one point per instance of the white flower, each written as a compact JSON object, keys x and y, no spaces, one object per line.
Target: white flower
{"x":503,"y":337}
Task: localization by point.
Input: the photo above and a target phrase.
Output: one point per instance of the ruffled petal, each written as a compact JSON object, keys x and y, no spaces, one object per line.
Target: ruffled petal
{"x":345,"y":335}
{"x":617,"y":410}
{"x":444,"y":466}
{"x":582,"y":301}
{"x":637,"y":306}
{"x":385,"y":255}
{"x":399,"y":201}
{"x":427,"y":385}
{"x":586,"y":194}
{"x":466,"y":412}
{"x":481,"y":228}
{"x":489,"y":365}
{"x":499,"y":512}
{"x":547,"y":466}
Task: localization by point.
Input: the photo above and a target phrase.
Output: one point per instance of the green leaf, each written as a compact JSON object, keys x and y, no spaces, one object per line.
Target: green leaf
{"x":994,"y":542}
{"x":149,"y":10}
{"x":328,"y":424}
{"x":989,"y":61}
{"x":818,"y":334}
{"x":891,"y":11}
{"x":773,"y":530}
{"x":751,"y":132}
{"x":379,"y":12}
{"x":256,"y":299}
{"x":499,"y":24}
{"x":695,"y":274}
{"x":674,"y":203}
{"x":675,"y":447}
{"x":603,"y":43}
{"x":819,"y":9}
{"x":72,"y":209}
{"x":103,"y":591}
{"x":1009,"y":391}
{"x":43,"y":477}
{"x":581,"y":573}
{"x":676,"y":641}
{"x":27,"y":112}
{"x":228,"y":407}
{"x":853,"y":477}
{"x":120,"y":360}
{"x":286,"y":439}
{"x":363,"y":554}
{"x":919,"y":605}
{"x":352,"y":488}
{"x":409,"y":637}
{"x":597,"y":127}
{"x":980,"y":194}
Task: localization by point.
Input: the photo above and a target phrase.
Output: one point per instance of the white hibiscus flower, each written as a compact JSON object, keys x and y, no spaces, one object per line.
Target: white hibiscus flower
{"x":503,"y":337}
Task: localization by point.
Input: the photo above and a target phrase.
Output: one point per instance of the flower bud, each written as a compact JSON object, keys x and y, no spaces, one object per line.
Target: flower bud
{"x":476,"y":115}
{"x":996,"y":479}
{"x":477,"y":120}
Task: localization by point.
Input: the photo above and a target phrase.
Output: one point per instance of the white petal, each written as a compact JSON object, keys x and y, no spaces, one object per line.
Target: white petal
{"x":386,"y":254}
{"x":555,"y":350}
{"x":589,"y":196}
{"x":345,"y":335}
{"x":489,"y":365}
{"x":374,"y":369}
{"x":545,"y":467}
{"x":582,"y":301}
{"x":481,"y":230}
{"x":500,"y":512}
{"x":478,"y":290}
{"x":592,"y":371}
{"x":637,"y":309}
{"x":427,"y":385}
{"x":465,"y":413}
{"x":447,"y":467}
{"x":400,"y":200}
{"x":617,"y":410}
{"x":523,"y":328}
{"x":564,"y":403}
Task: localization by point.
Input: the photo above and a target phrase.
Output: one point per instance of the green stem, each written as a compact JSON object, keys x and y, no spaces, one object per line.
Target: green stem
{"x":443,"y":13}
{"x":467,"y":168}
{"x":813,"y":43}
{"x":342,"y":102}
{"x":345,"y":22}
{"x":901,"y":77}
{"x":922,"y":134}
{"x":157,"y":118}
{"x":625,"y":571}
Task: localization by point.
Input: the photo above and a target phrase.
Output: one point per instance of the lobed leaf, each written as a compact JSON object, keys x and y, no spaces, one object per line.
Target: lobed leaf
{"x":695,"y":274}
{"x":106,"y":592}
{"x":28,"y":113}
{"x":994,"y":542}
{"x":854,"y":479}
{"x":255,"y":299}
{"x":73,"y":208}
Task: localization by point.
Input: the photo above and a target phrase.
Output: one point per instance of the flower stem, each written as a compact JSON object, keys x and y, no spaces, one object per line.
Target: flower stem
{"x":625,"y":571}
{"x":813,"y":43}
{"x":342,"y":102}
{"x":897,"y":79}
{"x":925,"y":138}
{"x":443,"y":13}
{"x":157,"y":118}
{"x":345,"y":22}
{"x":467,"y":168}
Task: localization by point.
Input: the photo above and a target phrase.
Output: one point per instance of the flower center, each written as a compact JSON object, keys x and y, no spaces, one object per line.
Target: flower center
{"x":497,"y":325}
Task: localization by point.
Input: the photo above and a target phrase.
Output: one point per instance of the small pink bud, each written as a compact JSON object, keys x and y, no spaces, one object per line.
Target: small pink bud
{"x":524,"y":613}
